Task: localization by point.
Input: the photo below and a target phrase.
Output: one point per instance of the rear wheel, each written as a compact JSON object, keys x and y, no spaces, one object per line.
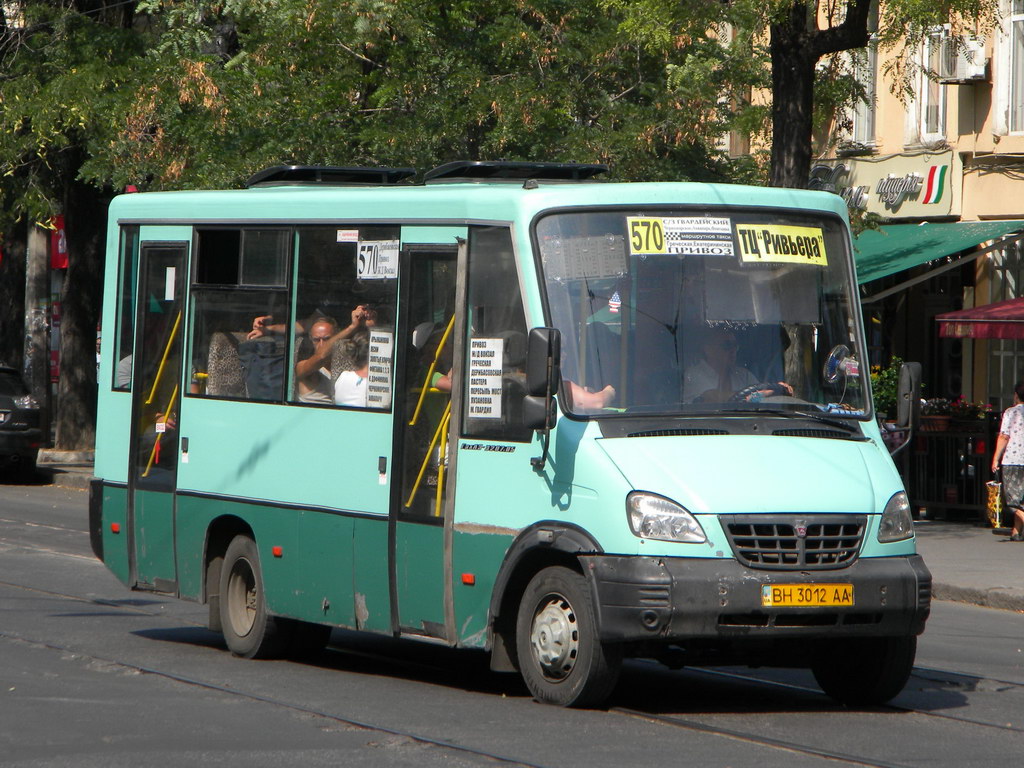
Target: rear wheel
{"x":249,"y":631}
{"x":864,"y":671}
{"x":560,"y":656}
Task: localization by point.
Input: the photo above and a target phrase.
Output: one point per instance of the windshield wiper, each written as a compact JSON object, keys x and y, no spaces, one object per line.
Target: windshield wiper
{"x":799,"y":415}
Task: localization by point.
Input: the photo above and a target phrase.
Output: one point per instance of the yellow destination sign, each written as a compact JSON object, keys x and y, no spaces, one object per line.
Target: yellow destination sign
{"x":778,"y":243}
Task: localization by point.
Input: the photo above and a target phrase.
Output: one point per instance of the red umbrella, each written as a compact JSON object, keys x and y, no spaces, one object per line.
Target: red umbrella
{"x":1001,"y":320}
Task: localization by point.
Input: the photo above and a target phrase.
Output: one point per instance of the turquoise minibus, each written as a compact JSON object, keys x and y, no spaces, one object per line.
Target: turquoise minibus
{"x":506,"y":406}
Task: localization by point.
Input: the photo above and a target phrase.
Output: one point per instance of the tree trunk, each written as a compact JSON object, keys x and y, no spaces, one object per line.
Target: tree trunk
{"x":37,"y":325}
{"x":793,"y":60}
{"x":85,"y":227}
{"x":12,"y":297}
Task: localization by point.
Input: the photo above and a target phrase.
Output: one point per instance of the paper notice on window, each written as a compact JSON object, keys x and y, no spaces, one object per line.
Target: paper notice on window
{"x":772,"y":243}
{"x":681,"y":235}
{"x":377,"y":260}
{"x":485,"y":378}
{"x":169,"y":275}
{"x":378,"y":384}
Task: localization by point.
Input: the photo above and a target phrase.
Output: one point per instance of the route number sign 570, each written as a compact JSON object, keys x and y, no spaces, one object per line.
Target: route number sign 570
{"x":646,"y":235}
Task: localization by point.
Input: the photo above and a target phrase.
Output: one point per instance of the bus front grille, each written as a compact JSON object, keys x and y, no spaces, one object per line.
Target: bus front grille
{"x":794,"y":542}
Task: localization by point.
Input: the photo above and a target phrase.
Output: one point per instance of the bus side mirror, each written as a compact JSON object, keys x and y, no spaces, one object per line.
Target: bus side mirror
{"x":539,"y":412}
{"x":908,"y":397}
{"x":543,"y":353}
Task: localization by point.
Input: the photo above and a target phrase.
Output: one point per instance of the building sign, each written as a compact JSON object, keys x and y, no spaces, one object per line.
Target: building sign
{"x":912,"y":186}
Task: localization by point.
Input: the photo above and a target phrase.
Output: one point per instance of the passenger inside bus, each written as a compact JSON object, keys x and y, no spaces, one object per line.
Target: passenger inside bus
{"x":351,"y":388}
{"x":312,"y":371}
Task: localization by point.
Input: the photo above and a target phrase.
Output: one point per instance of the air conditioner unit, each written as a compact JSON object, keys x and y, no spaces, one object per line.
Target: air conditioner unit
{"x":962,"y":60}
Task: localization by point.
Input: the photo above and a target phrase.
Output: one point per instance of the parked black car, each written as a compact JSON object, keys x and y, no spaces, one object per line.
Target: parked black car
{"x":20,"y":436}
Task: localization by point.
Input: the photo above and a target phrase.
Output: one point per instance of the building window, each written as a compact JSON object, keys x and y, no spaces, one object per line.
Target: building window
{"x":862,"y":117}
{"x":933,"y":93}
{"x":1016,"y":103}
{"x":1005,"y":356}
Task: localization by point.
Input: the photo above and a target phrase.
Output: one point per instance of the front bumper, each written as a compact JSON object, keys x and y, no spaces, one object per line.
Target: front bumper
{"x":671,"y":600}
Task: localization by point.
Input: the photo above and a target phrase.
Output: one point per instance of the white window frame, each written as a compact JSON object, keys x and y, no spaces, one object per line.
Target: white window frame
{"x":862,"y":116}
{"x":931,"y":94}
{"x":1008,"y":115}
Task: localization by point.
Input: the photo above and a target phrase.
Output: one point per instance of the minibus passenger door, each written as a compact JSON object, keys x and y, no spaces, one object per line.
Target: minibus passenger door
{"x":156,"y":397}
{"x":422,"y":483}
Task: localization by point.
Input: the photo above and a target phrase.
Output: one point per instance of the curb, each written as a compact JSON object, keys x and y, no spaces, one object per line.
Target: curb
{"x":1004,"y":598}
{"x":64,"y":479}
{"x":49,"y":457}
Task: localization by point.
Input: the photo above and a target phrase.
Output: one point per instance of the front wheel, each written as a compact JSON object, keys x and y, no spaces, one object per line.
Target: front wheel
{"x":249,"y":631}
{"x":560,"y":656}
{"x":864,"y":671}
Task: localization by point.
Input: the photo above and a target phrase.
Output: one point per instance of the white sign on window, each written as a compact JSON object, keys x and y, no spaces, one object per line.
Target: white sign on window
{"x":377,"y":259}
{"x":485,"y":378}
{"x":378,"y":384}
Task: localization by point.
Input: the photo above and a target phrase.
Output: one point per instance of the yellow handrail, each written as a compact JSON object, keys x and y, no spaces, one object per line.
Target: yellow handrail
{"x":430,"y":371}
{"x":426,"y":459}
{"x":156,"y":443}
{"x":163,"y":360}
{"x":442,"y":462}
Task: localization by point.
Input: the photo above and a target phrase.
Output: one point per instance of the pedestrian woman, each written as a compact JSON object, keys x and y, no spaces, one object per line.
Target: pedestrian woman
{"x":1010,"y":452}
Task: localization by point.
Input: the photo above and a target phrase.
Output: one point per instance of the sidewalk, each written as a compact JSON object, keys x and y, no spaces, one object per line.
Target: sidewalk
{"x":967,"y":562}
{"x":971,"y":565}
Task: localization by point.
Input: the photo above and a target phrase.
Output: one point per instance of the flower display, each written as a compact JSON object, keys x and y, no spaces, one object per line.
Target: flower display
{"x":936,"y":406}
{"x":965,"y":409}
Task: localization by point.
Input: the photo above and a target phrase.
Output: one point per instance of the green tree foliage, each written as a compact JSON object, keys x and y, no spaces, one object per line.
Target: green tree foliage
{"x":230,"y":88}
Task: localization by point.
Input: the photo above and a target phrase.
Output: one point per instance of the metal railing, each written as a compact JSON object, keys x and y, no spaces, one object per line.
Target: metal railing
{"x":947,"y":466}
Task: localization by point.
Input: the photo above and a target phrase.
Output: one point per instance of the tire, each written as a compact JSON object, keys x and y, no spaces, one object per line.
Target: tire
{"x":864,"y":671}
{"x":249,"y":631}
{"x":560,"y":656}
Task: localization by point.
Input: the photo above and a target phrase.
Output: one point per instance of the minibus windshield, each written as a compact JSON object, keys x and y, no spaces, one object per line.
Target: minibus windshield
{"x":693,"y":311}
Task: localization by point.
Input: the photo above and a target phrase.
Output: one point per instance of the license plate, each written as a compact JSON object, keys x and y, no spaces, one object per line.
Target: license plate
{"x":806,"y":595}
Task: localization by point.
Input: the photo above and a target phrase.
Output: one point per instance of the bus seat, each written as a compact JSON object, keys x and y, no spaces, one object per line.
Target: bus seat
{"x":421,"y":333}
{"x":224,"y":368}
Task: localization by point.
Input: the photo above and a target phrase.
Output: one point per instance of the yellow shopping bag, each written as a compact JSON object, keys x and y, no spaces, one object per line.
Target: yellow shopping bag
{"x":995,"y":503}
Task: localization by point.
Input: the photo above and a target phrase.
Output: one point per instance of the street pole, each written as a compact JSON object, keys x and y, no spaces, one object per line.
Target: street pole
{"x":37,"y":324}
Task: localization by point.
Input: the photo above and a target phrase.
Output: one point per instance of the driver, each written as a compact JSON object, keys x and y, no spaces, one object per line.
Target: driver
{"x":716,"y":378}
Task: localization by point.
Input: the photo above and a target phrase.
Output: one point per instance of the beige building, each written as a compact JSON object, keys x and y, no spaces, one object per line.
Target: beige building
{"x":945,"y":169}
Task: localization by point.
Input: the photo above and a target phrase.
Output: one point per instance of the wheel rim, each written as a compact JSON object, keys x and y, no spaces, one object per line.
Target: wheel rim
{"x":242,"y":597}
{"x":555,"y":637}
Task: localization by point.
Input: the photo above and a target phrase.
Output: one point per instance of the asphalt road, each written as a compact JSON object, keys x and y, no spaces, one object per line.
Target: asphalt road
{"x":94,"y":675}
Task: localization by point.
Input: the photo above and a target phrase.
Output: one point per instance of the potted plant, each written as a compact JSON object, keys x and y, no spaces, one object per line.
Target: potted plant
{"x":935,"y":414}
{"x":969,"y":414}
{"x":885,"y":384}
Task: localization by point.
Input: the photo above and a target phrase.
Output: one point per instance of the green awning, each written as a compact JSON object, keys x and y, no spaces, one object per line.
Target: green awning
{"x":895,"y":247}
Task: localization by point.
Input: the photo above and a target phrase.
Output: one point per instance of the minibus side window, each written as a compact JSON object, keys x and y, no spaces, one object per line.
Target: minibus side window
{"x":495,"y":371}
{"x":343,"y":337}
{"x":124,"y":338}
{"x":241,"y":275}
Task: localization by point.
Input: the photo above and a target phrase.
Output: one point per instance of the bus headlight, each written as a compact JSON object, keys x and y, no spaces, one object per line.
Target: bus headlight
{"x":896,"y":523}
{"x":655,"y":517}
